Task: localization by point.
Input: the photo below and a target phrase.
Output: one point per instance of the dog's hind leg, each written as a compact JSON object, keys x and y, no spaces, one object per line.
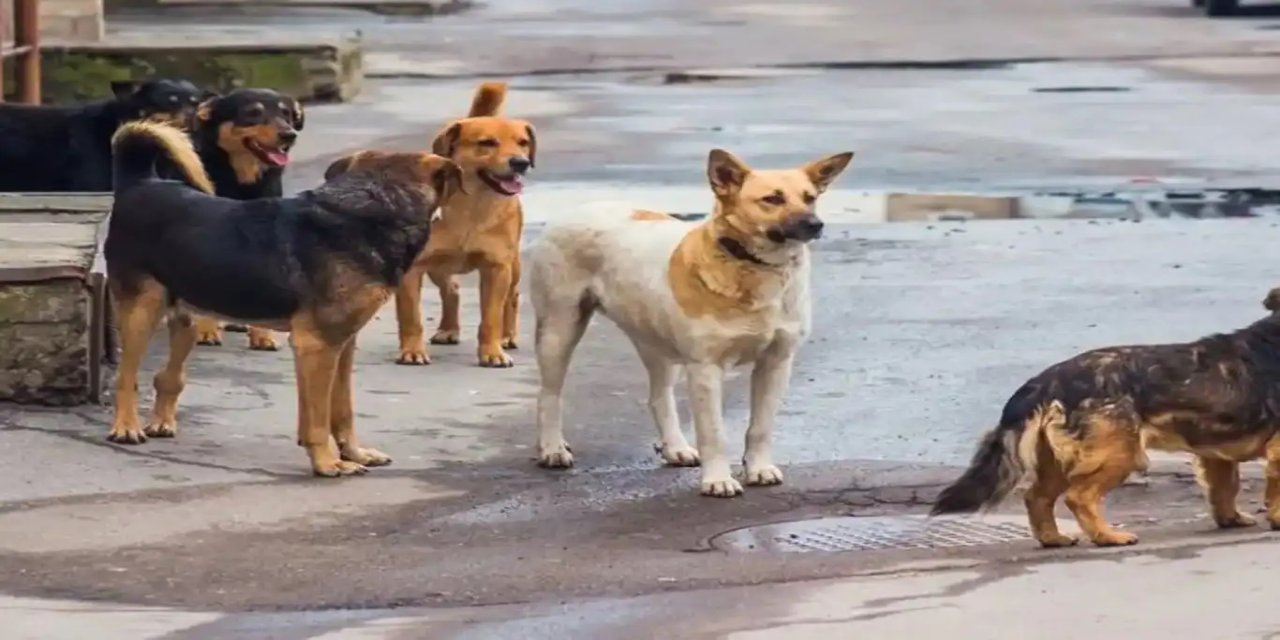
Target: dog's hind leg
{"x":413,"y":350}
{"x":1272,"y":495}
{"x":1047,"y":486}
{"x":262,"y":339}
{"x":208,"y":331}
{"x":316,"y":362}
{"x":170,"y":381}
{"x":137,"y":313}
{"x":672,"y":446}
{"x":1221,"y":482}
{"x":342,"y":415}
{"x":1110,"y":448}
{"x":558,"y":329}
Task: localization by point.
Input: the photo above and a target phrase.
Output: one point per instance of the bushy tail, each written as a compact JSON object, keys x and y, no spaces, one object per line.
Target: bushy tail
{"x":137,"y":147}
{"x":1003,"y":457}
{"x":488,"y":100}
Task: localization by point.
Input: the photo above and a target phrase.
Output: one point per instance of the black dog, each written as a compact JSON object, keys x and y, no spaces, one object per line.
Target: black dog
{"x":318,"y":265}
{"x":68,"y":148}
{"x":243,"y":139}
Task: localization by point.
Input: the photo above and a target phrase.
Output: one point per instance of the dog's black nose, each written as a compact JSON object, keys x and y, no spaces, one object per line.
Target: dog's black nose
{"x":288,"y":136}
{"x":804,"y":228}
{"x":519,"y":164}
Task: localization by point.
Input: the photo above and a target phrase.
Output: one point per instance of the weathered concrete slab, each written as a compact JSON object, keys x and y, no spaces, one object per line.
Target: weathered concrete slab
{"x":309,"y":67}
{"x":52,"y":303}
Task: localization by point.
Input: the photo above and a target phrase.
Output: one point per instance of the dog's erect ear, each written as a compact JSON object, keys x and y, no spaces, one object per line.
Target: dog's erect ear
{"x":726,"y":172}
{"x":299,"y":115}
{"x":204,"y":112}
{"x":447,"y":141}
{"x":340,"y":166}
{"x":533,"y":146}
{"x":823,"y":172}
{"x":124,"y":89}
{"x":1272,"y":301}
{"x":446,"y":178}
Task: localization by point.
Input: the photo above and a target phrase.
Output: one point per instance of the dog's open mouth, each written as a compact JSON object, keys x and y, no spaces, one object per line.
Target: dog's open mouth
{"x":277,"y":157}
{"x":510,"y":184}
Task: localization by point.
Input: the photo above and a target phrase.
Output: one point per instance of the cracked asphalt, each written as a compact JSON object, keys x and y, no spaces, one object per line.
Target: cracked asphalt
{"x":921,"y":332}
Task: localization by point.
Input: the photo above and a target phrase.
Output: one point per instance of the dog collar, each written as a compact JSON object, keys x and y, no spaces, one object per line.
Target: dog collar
{"x":735,"y":249}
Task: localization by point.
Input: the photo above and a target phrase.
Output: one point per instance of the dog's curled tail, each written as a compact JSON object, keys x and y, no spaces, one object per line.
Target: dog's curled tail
{"x":488,"y":100}
{"x":1005,"y":454}
{"x":138,"y":147}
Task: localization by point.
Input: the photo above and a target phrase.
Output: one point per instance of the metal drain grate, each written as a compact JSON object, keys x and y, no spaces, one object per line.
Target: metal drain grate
{"x":868,"y":534}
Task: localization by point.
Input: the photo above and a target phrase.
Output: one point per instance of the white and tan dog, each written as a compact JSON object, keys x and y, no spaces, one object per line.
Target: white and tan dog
{"x":732,"y":290}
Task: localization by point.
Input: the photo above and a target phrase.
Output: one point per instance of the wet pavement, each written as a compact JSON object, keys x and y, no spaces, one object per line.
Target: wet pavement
{"x":1144,"y":111}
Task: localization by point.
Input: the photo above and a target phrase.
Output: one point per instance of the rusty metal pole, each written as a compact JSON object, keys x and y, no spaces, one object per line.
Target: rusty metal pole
{"x":26,"y":37}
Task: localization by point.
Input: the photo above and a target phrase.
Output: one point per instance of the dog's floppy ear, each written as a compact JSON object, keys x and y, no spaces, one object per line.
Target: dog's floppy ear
{"x":446,"y":178}
{"x":123,"y":89}
{"x":726,"y":172}
{"x":823,"y":172}
{"x":533,"y":146}
{"x":299,"y":115}
{"x":447,"y":141}
{"x":1272,"y":301}
{"x":340,"y":166}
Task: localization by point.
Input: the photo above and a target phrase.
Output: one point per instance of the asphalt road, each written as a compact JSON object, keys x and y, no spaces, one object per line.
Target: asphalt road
{"x":921,"y":332}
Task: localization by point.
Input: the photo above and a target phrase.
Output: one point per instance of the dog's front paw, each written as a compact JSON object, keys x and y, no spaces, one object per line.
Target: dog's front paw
{"x":161,"y":428}
{"x":678,"y":456}
{"x":338,"y":468}
{"x":763,"y":475}
{"x":365,"y":456}
{"x":1057,"y":540}
{"x":560,"y":457}
{"x":1114,"y":538}
{"x":725,"y":487}
{"x":1238,"y":521}
{"x":209,"y":337}
{"x":510,"y":343}
{"x":413,"y":356}
{"x":445,"y":336}
{"x":260,"y":340}
{"x":495,"y":358}
{"x":126,"y":433}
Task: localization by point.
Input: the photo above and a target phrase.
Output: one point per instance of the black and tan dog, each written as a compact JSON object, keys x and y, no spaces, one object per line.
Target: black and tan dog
{"x":68,"y":148}
{"x":317,"y":265}
{"x":244,"y":139}
{"x":1083,"y":425}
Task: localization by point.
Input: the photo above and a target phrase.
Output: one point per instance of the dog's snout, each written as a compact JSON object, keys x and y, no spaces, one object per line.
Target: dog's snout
{"x":288,"y":136}
{"x":519,"y":164}
{"x":806,"y":227}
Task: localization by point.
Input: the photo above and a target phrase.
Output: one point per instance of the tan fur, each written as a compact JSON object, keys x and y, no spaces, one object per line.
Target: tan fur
{"x":323,"y":336}
{"x":488,"y":100}
{"x":480,"y":230}
{"x":655,"y":216}
{"x":183,"y":151}
{"x":1114,"y":446}
{"x":708,"y":297}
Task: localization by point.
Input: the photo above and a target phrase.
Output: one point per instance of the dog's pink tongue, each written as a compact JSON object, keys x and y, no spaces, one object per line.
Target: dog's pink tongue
{"x":280,"y":158}
{"x":513,"y":185}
